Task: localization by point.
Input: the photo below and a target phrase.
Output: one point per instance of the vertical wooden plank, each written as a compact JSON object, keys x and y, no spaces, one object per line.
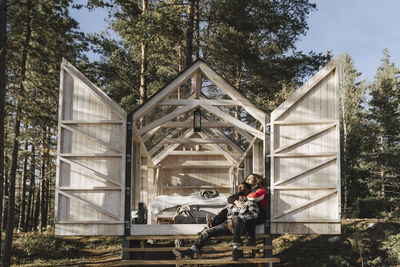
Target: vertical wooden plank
{"x":337,"y":135}
{"x":137,"y":163}
{"x":258,"y":159}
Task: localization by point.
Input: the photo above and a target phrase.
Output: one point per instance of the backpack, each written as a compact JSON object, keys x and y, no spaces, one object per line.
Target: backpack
{"x":184,"y":216}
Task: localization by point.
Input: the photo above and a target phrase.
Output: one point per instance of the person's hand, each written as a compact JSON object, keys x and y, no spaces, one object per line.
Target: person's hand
{"x":239,"y":204}
{"x":209,"y":223}
{"x":230,"y":225}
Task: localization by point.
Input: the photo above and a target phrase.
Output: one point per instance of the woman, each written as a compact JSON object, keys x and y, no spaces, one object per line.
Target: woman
{"x":258,"y":194}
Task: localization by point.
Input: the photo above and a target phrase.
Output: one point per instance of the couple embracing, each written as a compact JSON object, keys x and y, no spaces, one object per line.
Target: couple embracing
{"x":244,"y":211}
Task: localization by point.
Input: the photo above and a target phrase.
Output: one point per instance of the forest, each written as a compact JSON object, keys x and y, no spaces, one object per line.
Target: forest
{"x":252,"y":44}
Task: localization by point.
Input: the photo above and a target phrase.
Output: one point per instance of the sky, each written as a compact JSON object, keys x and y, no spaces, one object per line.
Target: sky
{"x":362,"y":28}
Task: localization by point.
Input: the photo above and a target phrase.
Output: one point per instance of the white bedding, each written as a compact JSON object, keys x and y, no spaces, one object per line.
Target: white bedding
{"x":163,"y":202}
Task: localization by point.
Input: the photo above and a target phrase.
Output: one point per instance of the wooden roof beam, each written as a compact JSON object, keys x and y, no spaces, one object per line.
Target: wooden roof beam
{"x":233,"y":93}
{"x":235,"y":122}
{"x":218,"y":147}
{"x":164,"y":92}
{"x":163,"y":120}
{"x":163,"y":154}
{"x":210,"y":102}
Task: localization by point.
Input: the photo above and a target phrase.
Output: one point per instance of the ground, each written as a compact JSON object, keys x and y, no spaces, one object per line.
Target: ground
{"x":362,"y":243}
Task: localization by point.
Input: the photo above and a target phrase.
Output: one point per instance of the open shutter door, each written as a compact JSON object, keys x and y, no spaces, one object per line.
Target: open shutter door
{"x":90,"y":159}
{"x":305,"y":160}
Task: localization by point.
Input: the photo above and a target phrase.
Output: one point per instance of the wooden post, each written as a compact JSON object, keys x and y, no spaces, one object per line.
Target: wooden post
{"x":128,"y":177}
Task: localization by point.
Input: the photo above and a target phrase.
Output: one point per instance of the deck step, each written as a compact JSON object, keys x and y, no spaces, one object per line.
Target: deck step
{"x":199,"y":261}
{"x":206,"y":248}
{"x":167,"y":237}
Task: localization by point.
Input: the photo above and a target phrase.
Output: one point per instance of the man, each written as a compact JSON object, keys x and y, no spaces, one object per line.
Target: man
{"x":235,"y":224}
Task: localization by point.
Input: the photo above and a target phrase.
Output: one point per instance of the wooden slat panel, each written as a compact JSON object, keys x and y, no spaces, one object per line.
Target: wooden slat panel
{"x":90,"y":174}
{"x":305,"y":177}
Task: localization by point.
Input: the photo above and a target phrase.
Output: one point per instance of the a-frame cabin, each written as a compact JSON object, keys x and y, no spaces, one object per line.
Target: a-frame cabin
{"x":109,"y":161}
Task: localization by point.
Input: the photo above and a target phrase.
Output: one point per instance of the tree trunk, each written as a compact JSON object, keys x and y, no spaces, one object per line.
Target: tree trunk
{"x":5,"y":204}
{"x":196,"y":29}
{"x":35,"y":222}
{"x":6,"y":261}
{"x":31,"y":190}
{"x":382,"y":172}
{"x":3,"y":52}
{"x":13,"y":171}
{"x":21,"y":222}
{"x":189,"y":33}
{"x":43,"y":181}
{"x":143,"y":64}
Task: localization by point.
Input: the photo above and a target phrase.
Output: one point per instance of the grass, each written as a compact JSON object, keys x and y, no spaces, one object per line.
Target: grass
{"x":362,"y":243}
{"x":35,"y":249}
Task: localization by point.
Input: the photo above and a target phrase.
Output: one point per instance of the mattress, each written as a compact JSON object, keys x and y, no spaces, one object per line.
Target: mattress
{"x":164,"y":202}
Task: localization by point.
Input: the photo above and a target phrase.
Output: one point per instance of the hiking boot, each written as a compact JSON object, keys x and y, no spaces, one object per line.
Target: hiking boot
{"x":251,"y":242}
{"x":236,"y":254}
{"x":186,"y":254}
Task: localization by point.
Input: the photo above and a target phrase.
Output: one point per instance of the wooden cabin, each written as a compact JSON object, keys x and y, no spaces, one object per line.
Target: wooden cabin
{"x":109,"y":161}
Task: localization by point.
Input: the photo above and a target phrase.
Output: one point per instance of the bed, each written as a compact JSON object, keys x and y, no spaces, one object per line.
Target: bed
{"x":165,"y":206}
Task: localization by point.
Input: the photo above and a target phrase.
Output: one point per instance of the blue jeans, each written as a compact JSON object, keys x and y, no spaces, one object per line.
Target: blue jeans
{"x":238,"y":229}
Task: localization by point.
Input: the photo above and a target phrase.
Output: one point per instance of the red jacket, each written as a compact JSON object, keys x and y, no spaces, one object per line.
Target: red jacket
{"x":258,"y":195}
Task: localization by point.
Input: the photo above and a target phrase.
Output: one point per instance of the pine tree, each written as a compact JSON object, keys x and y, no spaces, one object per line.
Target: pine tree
{"x":40,"y":34}
{"x":384,"y":115}
{"x":3,"y":53}
{"x":352,"y":124}
{"x":252,"y":44}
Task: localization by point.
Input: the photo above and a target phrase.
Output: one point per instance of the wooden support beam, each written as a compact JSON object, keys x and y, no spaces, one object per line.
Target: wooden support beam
{"x":229,"y":141}
{"x":150,"y":133}
{"x":94,"y":139}
{"x":71,"y":196}
{"x":249,"y":148}
{"x":235,"y":122}
{"x":157,"y":159}
{"x":305,"y":138}
{"x":164,"y":92}
{"x":233,"y":93}
{"x":92,"y":121}
{"x":195,"y":140}
{"x":96,"y":175}
{"x":313,"y":122}
{"x":305,"y":203}
{"x":204,"y":124}
{"x":302,"y":155}
{"x":143,"y":148}
{"x":163,"y":120}
{"x":162,"y":143}
{"x":94,"y":155}
{"x":218,"y":147}
{"x":196,"y":153}
{"x":284,"y":180}
{"x":201,"y":101}
{"x":92,"y":188}
{"x":191,"y":166}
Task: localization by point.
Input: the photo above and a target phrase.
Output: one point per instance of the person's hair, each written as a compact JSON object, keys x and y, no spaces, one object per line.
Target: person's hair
{"x":259,"y":180}
{"x":246,"y":187}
